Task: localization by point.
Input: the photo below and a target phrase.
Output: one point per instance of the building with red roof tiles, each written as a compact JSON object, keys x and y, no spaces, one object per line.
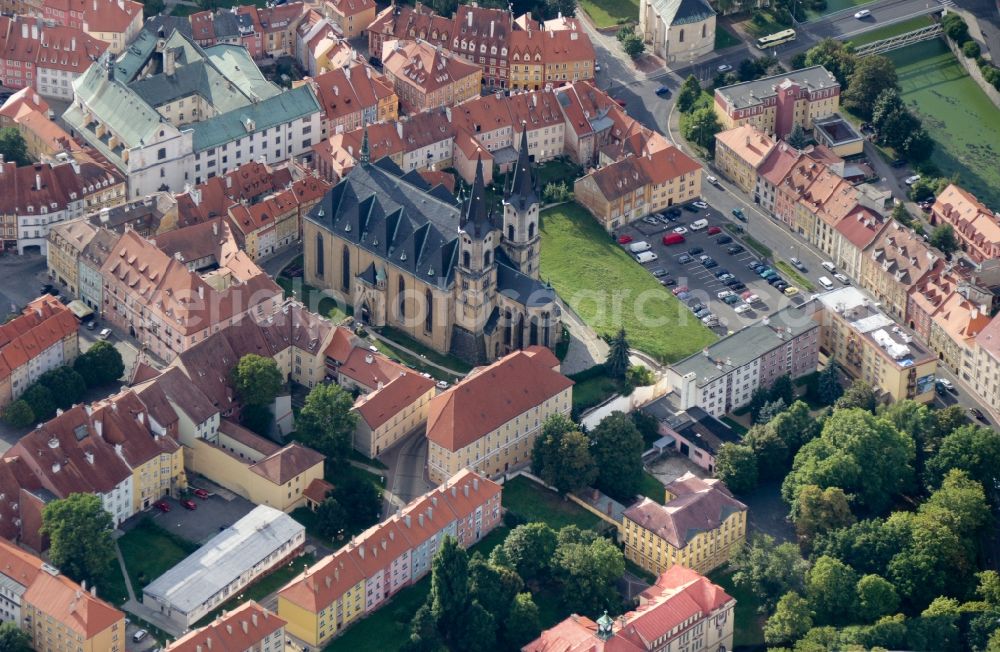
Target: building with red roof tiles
{"x":542,"y":57}
{"x":976,"y":226}
{"x":636,"y":186}
{"x":739,"y":152}
{"x":856,"y":226}
{"x":426,"y":77}
{"x":488,"y":422}
{"x":682,"y":607}
{"x":116,"y":22}
{"x":893,"y":264}
{"x":700,"y":526}
{"x":247,"y":628}
{"x":316,"y":493}
{"x":43,"y":337}
{"x":391,"y":412}
{"x":771,"y":173}
{"x":351,"y":16}
{"x":358,"y":579}
{"x":27,"y":112}
{"x":338,"y":154}
{"x":400,"y":21}
{"x":45,"y":56}
{"x":984,"y":374}
{"x":51,"y":608}
{"x":354,"y":96}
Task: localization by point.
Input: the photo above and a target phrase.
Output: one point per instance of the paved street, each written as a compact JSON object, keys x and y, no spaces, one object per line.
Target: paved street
{"x":407,"y":475}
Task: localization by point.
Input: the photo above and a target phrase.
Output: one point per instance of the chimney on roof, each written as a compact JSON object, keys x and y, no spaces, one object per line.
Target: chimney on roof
{"x":38,"y":181}
{"x":24,"y":30}
{"x":34,"y":32}
{"x":215,"y":228}
{"x":72,"y":44}
{"x":201,"y":291}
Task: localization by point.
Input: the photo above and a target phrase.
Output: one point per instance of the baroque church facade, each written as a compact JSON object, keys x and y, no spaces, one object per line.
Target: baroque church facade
{"x":452,"y":274}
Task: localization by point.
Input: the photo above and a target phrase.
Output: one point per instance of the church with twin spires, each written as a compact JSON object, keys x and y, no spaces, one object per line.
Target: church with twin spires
{"x":453,"y":274}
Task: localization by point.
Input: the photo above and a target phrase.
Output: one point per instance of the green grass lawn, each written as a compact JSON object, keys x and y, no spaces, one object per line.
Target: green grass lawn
{"x":594,"y":391}
{"x":558,"y":169}
{"x":652,"y":488}
{"x":261,"y":589}
{"x":891,"y":30}
{"x":799,"y":279}
{"x":724,"y":38}
{"x":768,"y":26}
{"x":534,"y":502}
{"x":149,"y":551}
{"x":111,"y":586}
{"x":609,"y":290}
{"x":313,"y":298}
{"x":748,"y":630}
{"x":448,"y":361}
{"x":607,"y":13}
{"x":957,"y":114}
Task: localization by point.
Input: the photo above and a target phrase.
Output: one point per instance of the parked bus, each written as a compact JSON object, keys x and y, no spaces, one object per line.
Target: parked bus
{"x":779,"y":38}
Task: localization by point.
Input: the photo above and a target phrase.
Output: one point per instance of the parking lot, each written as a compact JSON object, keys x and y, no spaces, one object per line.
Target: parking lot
{"x":210,"y":516}
{"x":682,"y":266}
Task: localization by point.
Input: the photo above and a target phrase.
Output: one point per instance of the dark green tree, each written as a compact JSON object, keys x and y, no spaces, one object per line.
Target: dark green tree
{"x":795,"y":426}
{"x":867,"y":546}
{"x":79,"y":532}
{"x":828,"y":384}
{"x":871,"y":76}
{"x":616,"y":447}
{"x":835,"y":56}
{"x":326,"y":421}
{"x":831,"y":587}
{"x":474,"y":631}
{"x":449,"y":587}
{"x":100,"y":364}
{"x":769,"y":570}
{"x":18,"y":414}
{"x":13,"y":148}
{"x":758,"y":398}
{"x":522,"y":624}
{"x":943,"y":238}
{"x":937,"y":628}
{"x":770,"y":410}
{"x":361,"y":499}
{"x":573,"y":534}
{"x":936,"y":561}
{"x":257,"y":418}
{"x":792,"y":618}
{"x":67,"y":386}
{"x":257,"y":380}
{"x":919,"y":145}
{"x":688,"y":95}
{"x":587,"y":574}
{"x":782,"y":388}
{"x":545,"y":450}
{"x":877,"y":597}
{"x":40,"y":400}
{"x":331,"y":519}
{"x":971,"y":448}
{"x":736,"y":466}
{"x":618,"y":361}
{"x":555,"y":7}
{"x":701,"y":128}
{"x":859,"y":395}
{"x":770,"y":452}
{"x":528,"y":548}
{"x":494,"y":587}
{"x":797,"y":138}
{"x":13,"y":638}
{"x":634,"y":46}
{"x":152,"y":8}
{"x":862,"y":454}
{"x":960,"y":503}
{"x":955,"y":27}
{"x":573,"y":466}
{"x":818,"y":511}
{"x":424,"y":636}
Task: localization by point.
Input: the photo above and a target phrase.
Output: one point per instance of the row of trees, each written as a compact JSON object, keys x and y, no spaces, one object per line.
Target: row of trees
{"x":870,"y":88}
{"x":957,"y":30}
{"x":65,"y":386}
{"x":478,"y":604}
{"x":567,"y":458}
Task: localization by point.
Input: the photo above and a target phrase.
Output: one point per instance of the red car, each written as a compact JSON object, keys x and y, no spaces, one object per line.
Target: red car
{"x":624,"y":239}
{"x":189,"y":504}
{"x":678,"y":290}
{"x":201,"y":493}
{"x":162,"y":505}
{"x":712,"y":230}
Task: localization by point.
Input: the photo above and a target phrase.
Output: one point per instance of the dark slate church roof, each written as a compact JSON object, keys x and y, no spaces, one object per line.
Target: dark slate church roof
{"x":402,"y":220}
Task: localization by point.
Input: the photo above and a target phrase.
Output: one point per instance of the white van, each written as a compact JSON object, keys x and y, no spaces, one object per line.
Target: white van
{"x":828,"y":266}
{"x":639,"y":247}
{"x":825,"y":282}
{"x":646,"y":257}
{"x":712,"y":180}
{"x":698,"y":225}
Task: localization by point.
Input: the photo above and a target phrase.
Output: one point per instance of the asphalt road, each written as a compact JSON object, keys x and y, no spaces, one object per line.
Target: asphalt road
{"x":407,"y":475}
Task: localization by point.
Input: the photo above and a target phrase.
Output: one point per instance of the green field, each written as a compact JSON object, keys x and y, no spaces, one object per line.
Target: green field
{"x":652,"y":488}
{"x":607,"y":13}
{"x":533,"y":502}
{"x":609,"y":290}
{"x":891,"y":30}
{"x":594,"y":391}
{"x":149,"y":551}
{"x":957,"y":114}
{"x":724,"y":38}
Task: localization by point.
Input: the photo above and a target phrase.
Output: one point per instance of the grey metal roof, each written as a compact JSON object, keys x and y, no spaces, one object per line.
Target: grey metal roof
{"x":746,"y":344}
{"x":751,"y":93}
{"x":682,"y":12}
{"x":222,"y":560}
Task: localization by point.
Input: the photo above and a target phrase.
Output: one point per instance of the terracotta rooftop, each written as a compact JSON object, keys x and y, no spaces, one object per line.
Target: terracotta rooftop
{"x":421,"y":65}
{"x":378,"y":407}
{"x":748,"y":143}
{"x":43,"y":322}
{"x":286,"y":463}
{"x":241,"y":629}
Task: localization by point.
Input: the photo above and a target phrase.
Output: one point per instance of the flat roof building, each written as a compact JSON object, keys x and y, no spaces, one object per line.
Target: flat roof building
{"x":232,"y":559}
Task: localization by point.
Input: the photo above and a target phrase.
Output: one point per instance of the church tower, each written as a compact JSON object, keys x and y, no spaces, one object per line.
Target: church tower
{"x":520,"y":214}
{"x":477,"y":269}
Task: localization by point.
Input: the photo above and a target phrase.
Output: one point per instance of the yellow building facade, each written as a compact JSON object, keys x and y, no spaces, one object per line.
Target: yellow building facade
{"x":700,"y":533}
{"x":774,"y":104}
{"x":158,"y":477}
{"x":738,"y":152}
{"x":318,"y":612}
{"x":391,"y":412}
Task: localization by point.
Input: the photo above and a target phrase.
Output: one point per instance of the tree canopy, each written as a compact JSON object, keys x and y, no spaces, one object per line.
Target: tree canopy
{"x":326,"y":421}
{"x":618,"y":361}
{"x":13,"y":148}
{"x":79,"y":532}
{"x":100,"y":364}
{"x":616,"y":446}
{"x":561,"y":456}
{"x":870,"y":77}
{"x":736,"y":465}
{"x":257,"y":379}
{"x":18,"y":414}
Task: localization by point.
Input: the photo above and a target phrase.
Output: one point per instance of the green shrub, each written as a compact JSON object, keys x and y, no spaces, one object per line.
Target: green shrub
{"x":970,"y":49}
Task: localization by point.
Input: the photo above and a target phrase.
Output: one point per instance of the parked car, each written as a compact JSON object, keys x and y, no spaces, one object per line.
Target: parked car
{"x":673,"y":239}
{"x":162,"y":505}
{"x":726,"y":277}
{"x":649,"y":219}
{"x":201,"y":493}
{"x":910,"y":180}
{"x":695,"y":307}
{"x":659,"y":272}
{"x":710,"y":321}
{"x":731,"y":299}
{"x":663,"y":91}
{"x":694,"y":251}
{"x":714,"y":230}
{"x":723,"y":239}
{"x":781,"y":286}
{"x":791,"y":291}
{"x":864,"y":13}
{"x":712,"y":180}
{"x":683,"y":296}
{"x":946,"y":384}
{"x":843,"y":279}
{"x":624,"y":239}
{"x":673,"y":212}
{"x":736,"y":285}
{"x":724,"y":68}
{"x":679,"y":289}
{"x":691,"y":208}
{"x":91,"y":325}
{"x":765,"y":271}
{"x":680,"y":230}
{"x":756,"y":265}
{"x":742,"y":308}
{"x":976,"y":412}
{"x":709,"y":264}
{"x":187,"y":503}
{"x":724,"y":294}
{"x":684,"y":258}
{"x":668,"y":281}
{"x":105,"y":333}
{"x":722,"y":271}
{"x":898,"y":163}
{"x":774,"y":280}
{"x":797,"y":264}
{"x":704,"y":312}
{"x":139,"y":635}
{"x":700,"y":204}
{"x":735,"y":249}
{"x":738,"y":214}
{"x":749,"y":297}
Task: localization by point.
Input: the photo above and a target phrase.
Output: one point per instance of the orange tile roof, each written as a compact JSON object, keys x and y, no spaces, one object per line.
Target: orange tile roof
{"x":490,"y":397}
{"x":378,"y":407}
{"x":421,"y":65}
{"x":70,"y":605}
{"x":972,"y":220}
{"x":316,"y":588}
{"x":42,"y":323}
{"x":243,"y":628}
{"x":57,"y":47}
{"x":284,"y":464}
{"x":318,"y":490}
{"x":344,"y":92}
{"x":19,"y":565}
{"x":370,"y":369}
{"x":748,"y":143}
{"x":902,"y":253}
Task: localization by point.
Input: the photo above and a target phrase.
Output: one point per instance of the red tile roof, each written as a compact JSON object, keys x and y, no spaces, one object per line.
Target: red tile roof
{"x":378,"y":407}
{"x":490,"y":397}
{"x":56,"y":47}
{"x":284,"y":464}
{"x":421,"y":65}
{"x":43,"y":322}
{"x":318,"y":490}
{"x":243,"y":628}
